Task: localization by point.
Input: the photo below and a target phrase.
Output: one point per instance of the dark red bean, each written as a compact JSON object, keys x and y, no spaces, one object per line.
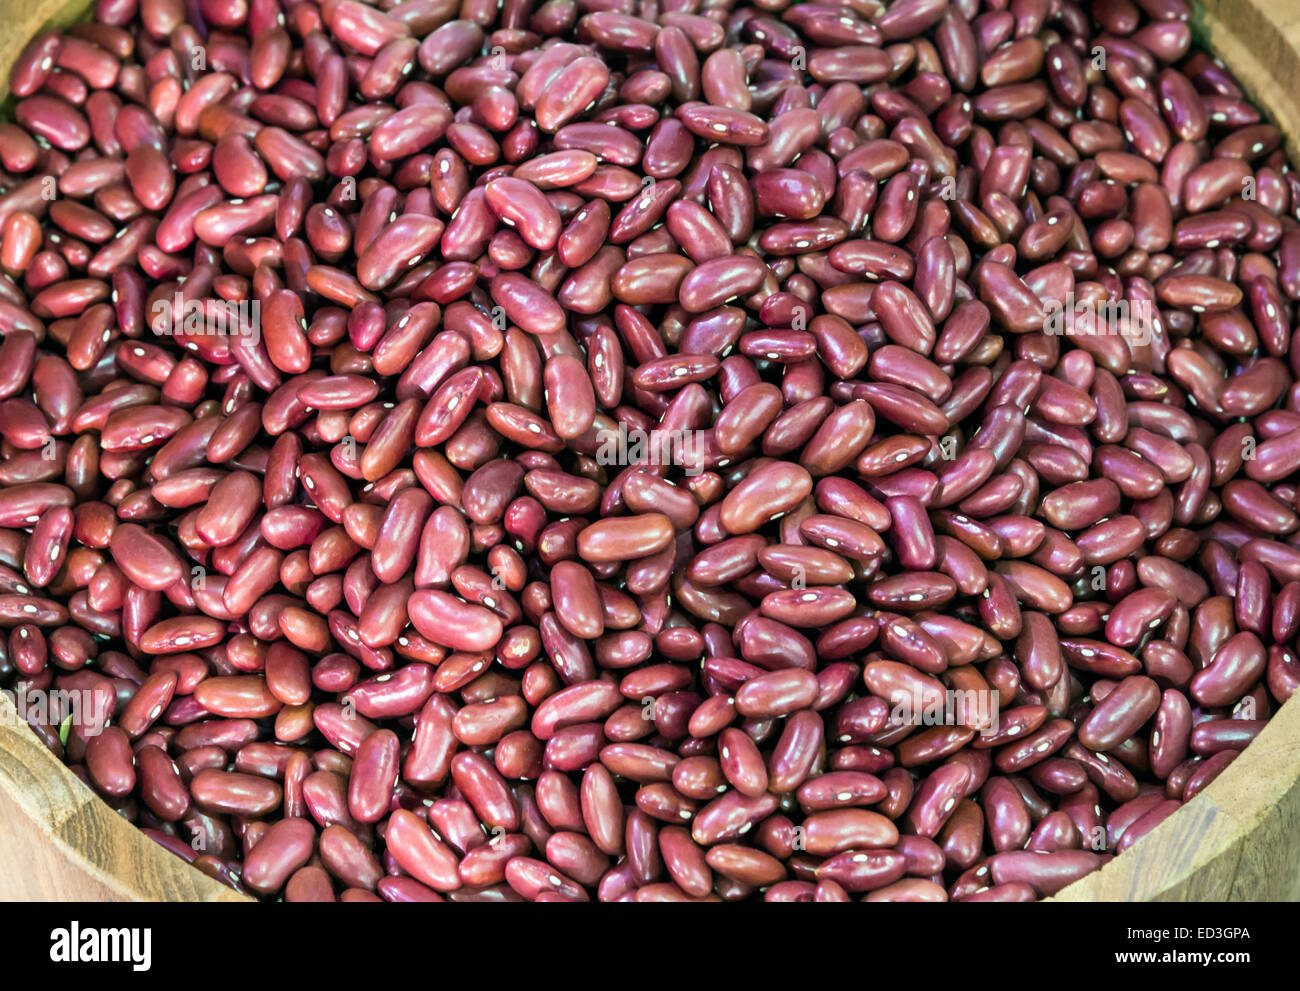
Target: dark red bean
{"x":506,"y":444}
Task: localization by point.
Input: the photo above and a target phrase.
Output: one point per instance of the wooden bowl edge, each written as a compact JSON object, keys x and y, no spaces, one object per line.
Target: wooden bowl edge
{"x":1221,"y":821}
{"x":24,"y":24}
{"x":91,"y":837}
{"x":1212,"y":833}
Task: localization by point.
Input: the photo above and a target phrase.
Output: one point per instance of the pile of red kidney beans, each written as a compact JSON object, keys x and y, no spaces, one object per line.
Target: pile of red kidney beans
{"x":476,"y":454}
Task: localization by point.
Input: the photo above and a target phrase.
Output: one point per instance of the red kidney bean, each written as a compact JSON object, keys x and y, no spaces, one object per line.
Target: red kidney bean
{"x":859,"y":871}
{"x":1047,"y":873}
{"x":776,"y":693}
{"x":1124,"y":710}
{"x":1232,"y":670}
{"x":374,"y":774}
{"x":621,"y":539}
{"x":110,"y":762}
{"x":286,"y":846}
{"x":668,"y":406}
{"x":161,"y":786}
{"x":453,"y":623}
{"x":232,"y":793}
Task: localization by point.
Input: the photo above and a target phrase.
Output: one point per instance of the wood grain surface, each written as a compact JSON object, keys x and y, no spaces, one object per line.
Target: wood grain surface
{"x":58,"y":841}
{"x":1259,"y":40}
{"x":21,"y":20}
{"x":1238,"y":840}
